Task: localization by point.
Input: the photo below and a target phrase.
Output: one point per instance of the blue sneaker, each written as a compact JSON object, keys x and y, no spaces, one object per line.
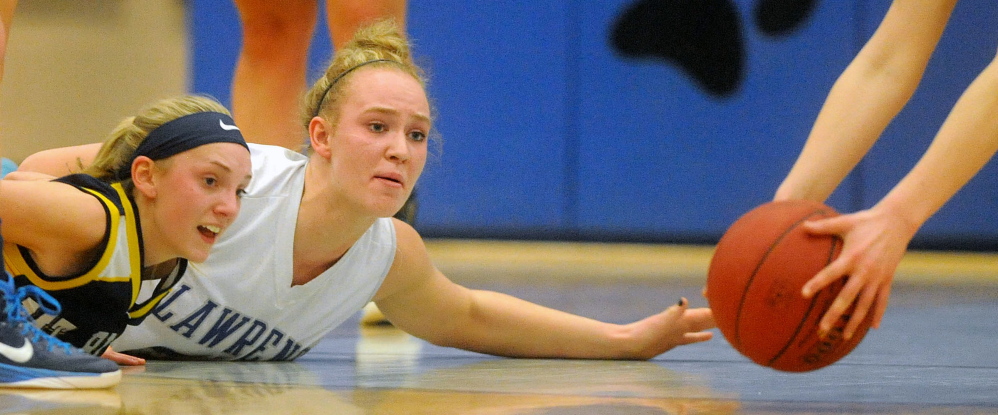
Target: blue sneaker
{"x":6,"y":166}
{"x":31,"y":358}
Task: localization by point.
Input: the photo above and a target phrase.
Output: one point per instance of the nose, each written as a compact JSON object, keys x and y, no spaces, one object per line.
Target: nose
{"x":398,"y":148}
{"x":227,"y":206}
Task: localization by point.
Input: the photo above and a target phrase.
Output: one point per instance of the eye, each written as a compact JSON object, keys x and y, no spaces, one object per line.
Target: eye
{"x":377,"y":127}
{"x":240,"y":193}
{"x":210,"y":181}
{"x":417,"y":136}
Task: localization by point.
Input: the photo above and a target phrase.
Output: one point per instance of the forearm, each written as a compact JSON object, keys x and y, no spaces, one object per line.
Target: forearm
{"x":858,"y":109}
{"x":866,"y":97}
{"x":503,"y":325}
{"x":61,"y":161}
{"x":419,"y":299}
{"x":964,"y":144}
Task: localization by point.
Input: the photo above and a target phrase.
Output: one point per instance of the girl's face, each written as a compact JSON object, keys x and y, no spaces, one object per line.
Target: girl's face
{"x":194,"y":197}
{"x":378,"y":149}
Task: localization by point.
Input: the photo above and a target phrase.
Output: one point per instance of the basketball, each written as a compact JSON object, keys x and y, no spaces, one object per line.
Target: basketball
{"x":754,"y":287}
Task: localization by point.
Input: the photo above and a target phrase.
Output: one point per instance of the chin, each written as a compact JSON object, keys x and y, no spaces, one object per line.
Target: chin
{"x":197,"y":257}
{"x":386,"y":210}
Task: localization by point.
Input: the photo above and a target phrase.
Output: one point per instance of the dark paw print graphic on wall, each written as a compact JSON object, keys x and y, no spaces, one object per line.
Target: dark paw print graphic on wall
{"x":780,"y":17}
{"x":702,"y":37}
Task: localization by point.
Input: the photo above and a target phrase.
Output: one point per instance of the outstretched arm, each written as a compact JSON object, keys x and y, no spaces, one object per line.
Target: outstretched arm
{"x":419,"y":299}
{"x":876,"y":239}
{"x":867,"y":96}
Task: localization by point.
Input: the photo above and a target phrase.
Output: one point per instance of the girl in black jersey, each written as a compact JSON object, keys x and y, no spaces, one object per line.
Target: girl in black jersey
{"x":162,"y":188}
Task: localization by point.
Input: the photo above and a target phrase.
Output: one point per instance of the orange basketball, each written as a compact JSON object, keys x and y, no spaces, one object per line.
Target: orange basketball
{"x":754,"y":288}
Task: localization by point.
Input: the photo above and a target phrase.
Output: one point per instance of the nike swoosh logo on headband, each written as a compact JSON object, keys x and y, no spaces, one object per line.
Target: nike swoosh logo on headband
{"x":226,"y":126}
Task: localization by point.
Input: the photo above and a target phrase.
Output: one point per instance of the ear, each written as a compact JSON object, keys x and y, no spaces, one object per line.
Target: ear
{"x":142,"y":176}
{"x":319,"y":136}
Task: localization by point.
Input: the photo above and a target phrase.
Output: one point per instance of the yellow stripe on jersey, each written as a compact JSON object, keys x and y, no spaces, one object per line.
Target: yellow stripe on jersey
{"x":133,"y":242}
{"x":10,"y":253}
{"x":149,"y":305}
{"x":18,"y":265}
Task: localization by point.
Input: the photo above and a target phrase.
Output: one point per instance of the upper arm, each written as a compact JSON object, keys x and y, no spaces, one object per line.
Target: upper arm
{"x":50,"y":217}
{"x":61,"y":161}
{"x":416,"y":297}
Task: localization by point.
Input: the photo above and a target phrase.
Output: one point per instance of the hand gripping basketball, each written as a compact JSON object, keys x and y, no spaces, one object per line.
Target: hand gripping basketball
{"x":754,"y":284}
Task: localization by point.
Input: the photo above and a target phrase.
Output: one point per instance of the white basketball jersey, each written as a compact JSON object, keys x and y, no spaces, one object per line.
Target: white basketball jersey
{"x":239,"y":304}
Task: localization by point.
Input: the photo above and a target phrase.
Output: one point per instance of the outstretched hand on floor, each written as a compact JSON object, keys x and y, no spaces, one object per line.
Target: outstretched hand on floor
{"x":678,"y":325}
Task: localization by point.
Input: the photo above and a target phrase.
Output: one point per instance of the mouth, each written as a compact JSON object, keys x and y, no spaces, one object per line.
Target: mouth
{"x":392,"y":179}
{"x":209,"y":232}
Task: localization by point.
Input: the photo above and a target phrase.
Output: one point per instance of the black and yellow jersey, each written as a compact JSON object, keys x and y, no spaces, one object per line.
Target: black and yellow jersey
{"x":100,"y":302}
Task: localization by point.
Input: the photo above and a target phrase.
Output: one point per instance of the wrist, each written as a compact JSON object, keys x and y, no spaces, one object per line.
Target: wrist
{"x":625,"y":343}
{"x":904,"y":216}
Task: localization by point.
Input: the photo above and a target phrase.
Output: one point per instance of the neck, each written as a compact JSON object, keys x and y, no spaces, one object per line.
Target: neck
{"x":326,"y":228}
{"x":153,"y":253}
{"x":160,"y":270}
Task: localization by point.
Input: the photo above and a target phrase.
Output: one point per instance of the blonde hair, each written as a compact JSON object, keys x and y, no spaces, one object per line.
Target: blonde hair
{"x":120,"y":145}
{"x":380,"y":42}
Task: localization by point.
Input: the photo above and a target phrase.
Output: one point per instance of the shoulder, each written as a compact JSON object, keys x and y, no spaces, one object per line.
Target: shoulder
{"x":411,"y":263}
{"x":55,"y":218}
{"x":406,"y":234}
{"x":88,"y":184}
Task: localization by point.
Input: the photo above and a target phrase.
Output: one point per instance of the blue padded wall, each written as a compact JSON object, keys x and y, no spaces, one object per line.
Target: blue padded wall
{"x":498,"y":84}
{"x":550,"y":132}
{"x":663,"y":159}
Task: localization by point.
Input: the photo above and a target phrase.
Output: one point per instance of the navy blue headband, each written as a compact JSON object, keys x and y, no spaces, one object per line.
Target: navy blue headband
{"x":340,"y":76}
{"x":182,"y":134}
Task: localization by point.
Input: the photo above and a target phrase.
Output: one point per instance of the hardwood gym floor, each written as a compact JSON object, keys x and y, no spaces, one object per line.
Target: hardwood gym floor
{"x":937,"y":352}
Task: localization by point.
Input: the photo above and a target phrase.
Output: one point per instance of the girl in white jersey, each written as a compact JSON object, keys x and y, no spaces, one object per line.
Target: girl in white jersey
{"x":315,"y":242}
{"x":863,"y":101}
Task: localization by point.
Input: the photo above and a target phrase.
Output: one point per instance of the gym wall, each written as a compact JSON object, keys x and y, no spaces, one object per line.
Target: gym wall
{"x":561,"y":119}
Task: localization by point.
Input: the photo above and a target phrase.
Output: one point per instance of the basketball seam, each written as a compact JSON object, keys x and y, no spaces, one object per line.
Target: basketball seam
{"x":741,"y":303}
{"x":810,"y":308}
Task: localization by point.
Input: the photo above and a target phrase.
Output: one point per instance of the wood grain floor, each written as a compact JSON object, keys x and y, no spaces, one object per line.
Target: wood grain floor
{"x":937,"y":352}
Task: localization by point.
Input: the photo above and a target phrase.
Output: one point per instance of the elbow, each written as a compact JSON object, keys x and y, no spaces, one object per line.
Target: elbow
{"x":31,"y":163}
{"x":900,"y":69}
{"x":41,"y":162}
